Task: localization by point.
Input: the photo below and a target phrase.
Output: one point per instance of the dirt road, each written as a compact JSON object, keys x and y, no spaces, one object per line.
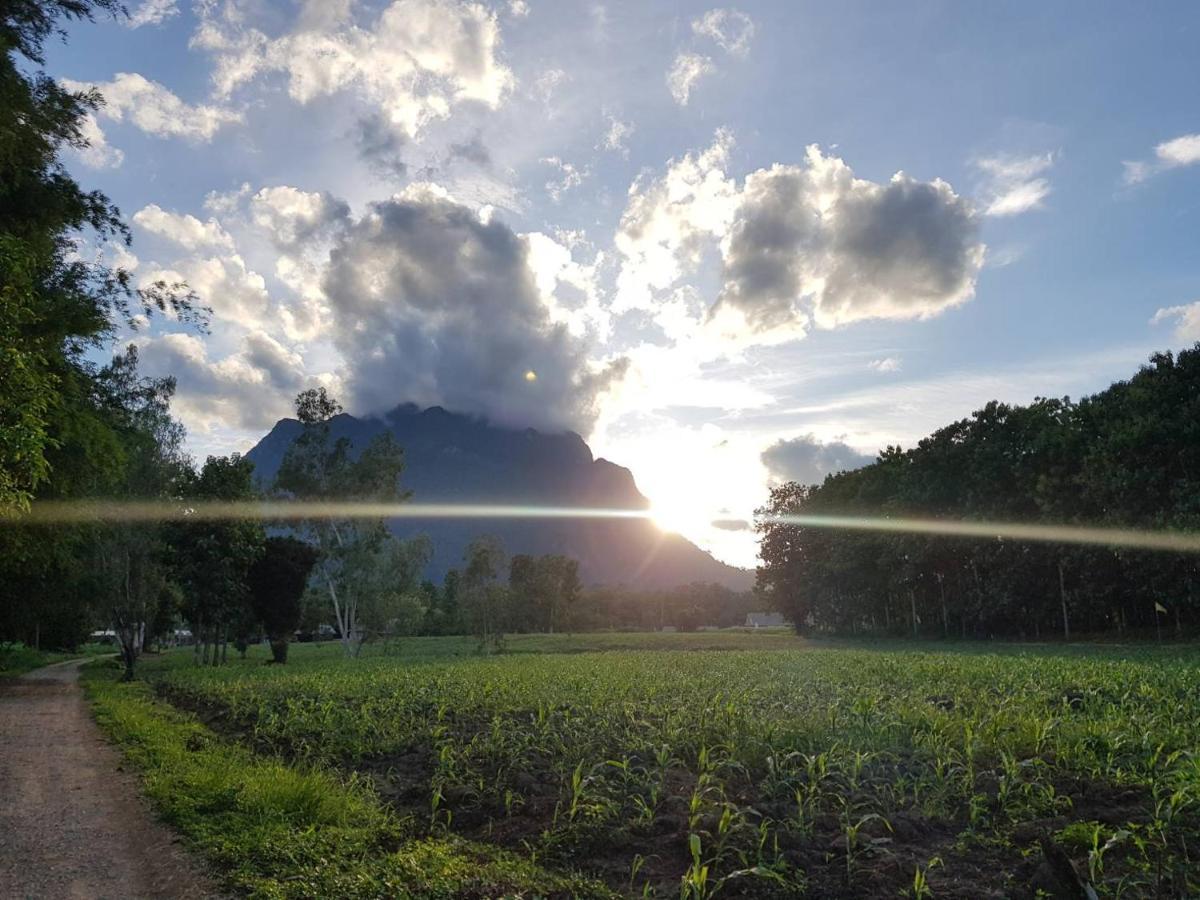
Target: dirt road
{"x":71,"y":824}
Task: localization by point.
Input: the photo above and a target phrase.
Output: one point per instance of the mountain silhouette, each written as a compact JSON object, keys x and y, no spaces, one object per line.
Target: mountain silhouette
{"x":453,"y":458}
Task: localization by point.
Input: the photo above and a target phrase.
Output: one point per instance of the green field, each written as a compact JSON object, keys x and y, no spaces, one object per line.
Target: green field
{"x":732,"y":764}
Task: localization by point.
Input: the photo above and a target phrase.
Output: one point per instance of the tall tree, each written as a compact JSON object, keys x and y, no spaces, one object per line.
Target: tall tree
{"x":276,"y":581}
{"x":483,"y":597}
{"x":213,"y":558}
{"x":131,"y":560}
{"x":55,"y":302}
{"x":317,"y":468}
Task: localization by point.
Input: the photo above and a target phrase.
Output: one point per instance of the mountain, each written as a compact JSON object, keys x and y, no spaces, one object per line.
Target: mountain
{"x":452,"y":458}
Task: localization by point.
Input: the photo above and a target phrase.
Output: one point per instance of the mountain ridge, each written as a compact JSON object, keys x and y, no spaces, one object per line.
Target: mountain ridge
{"x":456,"y":458}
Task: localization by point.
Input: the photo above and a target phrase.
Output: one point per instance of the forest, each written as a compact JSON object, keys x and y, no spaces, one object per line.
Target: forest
{"x":1126,"y":457}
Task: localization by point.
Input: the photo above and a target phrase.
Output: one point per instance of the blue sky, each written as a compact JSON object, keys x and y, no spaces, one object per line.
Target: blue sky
{"x":674,"y":228}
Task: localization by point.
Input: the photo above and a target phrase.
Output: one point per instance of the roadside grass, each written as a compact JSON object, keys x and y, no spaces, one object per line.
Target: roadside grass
{"x":278,"y":830}
{"x":17,"y":658}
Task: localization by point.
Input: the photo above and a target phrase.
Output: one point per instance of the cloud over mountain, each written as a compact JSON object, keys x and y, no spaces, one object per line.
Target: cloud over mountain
{"x":434,"y":305}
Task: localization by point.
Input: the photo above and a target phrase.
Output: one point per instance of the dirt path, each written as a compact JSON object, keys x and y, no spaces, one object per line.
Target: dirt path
{"x":71,"y":824}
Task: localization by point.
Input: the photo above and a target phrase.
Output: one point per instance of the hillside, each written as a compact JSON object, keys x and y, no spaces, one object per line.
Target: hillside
{"x":452,"y":458}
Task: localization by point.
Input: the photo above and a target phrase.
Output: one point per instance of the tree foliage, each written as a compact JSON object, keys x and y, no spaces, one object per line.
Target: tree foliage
{"x":1126,"y":457}
{"x":356,"y":553}
{"x":276,"y":582}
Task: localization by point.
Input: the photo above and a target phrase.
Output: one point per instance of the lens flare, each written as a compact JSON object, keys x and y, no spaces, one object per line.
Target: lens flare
{"x":102,"y":511}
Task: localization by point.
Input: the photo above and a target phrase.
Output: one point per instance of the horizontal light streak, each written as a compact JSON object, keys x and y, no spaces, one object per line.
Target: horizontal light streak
{"x":78,"y":512}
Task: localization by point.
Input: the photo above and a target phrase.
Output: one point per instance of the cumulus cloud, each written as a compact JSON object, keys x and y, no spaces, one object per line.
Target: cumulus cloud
{"x":1014,"y":185}
{"x":185,"y":230}
{"x":1186,"y":318}
{"x":155,"y":110}
{"x":234,"y":292}
{"x":251,"y":388}
{"x":667,"y":220}
{"x":807,"y":460}
{"x":793,"y":245}
{"x":731,"y":29}
{"x":685,"y":72}
{"x":293,"y":217}
{"x":152,"y":12}
{"x":411,"y":65}
{"x":96,"y":152}
{"x":813,"y":239}
{"x":431,"y":304}
{"x":1173,"y":154}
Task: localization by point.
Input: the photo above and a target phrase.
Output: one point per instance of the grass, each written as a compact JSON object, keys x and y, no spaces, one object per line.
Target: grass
{"x":278,"y":830}
{"x":17,"y":658}
{"x":752,"y":764}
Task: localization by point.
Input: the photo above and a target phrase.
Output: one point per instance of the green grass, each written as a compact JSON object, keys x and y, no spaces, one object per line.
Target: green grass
{"x":276,"y":830}
{"x":17,"y":658}
{"x":771,"y":766}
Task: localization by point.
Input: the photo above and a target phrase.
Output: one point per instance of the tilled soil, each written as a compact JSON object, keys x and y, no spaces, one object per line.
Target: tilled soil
{"x":72,"y":824}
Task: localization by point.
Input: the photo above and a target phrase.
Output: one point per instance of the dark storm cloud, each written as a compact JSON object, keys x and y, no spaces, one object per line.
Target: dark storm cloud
{"x":807,"y":460}
{"x":432,"y":305}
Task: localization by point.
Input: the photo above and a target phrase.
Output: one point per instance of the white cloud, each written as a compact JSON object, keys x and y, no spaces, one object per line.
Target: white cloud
{"x":569,"y":176}
{"x":887,"y":364}
{"x":546,"y":86}
{"x":155,"y":110}
{"x":1185,"y":317}
{"x":97,"y":153}
{"x":814,"y":240}
{"x":292,"y":216}
{"x":251,"y":388}
{"x":569,"y":288}
{"x":1173,"y":154}
{"x":617,"y":137}
{"x":1014,"y":184}
{"x":183,"y":229}
{"x":518,"y":9}
{"x":412,"y":64}
{"x":667,"y":220}
{"x":235,"y":293}
{"x":796,"y":244}
{"x":152,"y":12}
{"x":1180,"y":151}
{"x":686,"y":71}
{"x":732,"y":29}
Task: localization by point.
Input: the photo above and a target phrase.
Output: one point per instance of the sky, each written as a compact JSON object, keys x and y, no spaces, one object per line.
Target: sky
{"x":728,"y":245}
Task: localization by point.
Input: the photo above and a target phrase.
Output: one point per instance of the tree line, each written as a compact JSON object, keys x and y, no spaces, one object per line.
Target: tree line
{"x":1126,"y":457}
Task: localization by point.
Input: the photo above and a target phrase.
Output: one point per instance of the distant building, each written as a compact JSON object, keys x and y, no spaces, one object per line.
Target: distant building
{"x":765,"y":620}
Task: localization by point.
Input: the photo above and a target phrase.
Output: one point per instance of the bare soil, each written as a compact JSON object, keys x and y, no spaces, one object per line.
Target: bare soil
{"x":72,"y":823}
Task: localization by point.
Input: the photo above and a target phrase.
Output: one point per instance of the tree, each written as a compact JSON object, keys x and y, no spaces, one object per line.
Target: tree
{"x":65,"y":432}
{"x":131,"y":562}
{"x":385,"y":578}
{"x":1126,"y":457}
{"x":276,"y":581}
{"x":484,"y":600}
{"x":55,"y":304}
{"x":317,"y":468}
{"x":213,"y":558}
{"x":541,"y":589}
